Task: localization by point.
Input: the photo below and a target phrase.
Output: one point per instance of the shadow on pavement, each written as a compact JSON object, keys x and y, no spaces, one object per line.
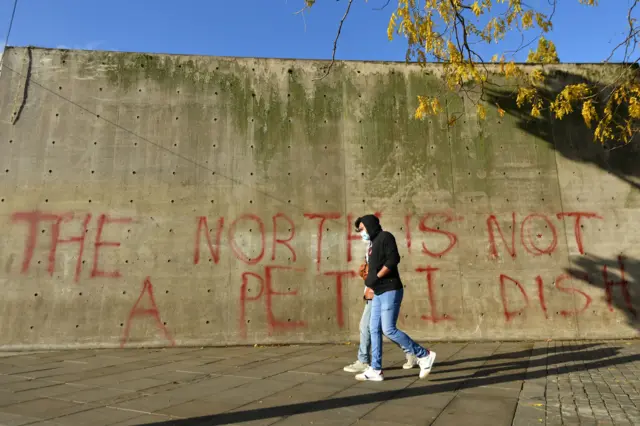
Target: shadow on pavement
{"x":577,"y":361}
{"x":556,"y":358}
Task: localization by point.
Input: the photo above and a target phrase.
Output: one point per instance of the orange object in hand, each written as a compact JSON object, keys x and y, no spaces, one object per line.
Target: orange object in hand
{"x":364,"y":270}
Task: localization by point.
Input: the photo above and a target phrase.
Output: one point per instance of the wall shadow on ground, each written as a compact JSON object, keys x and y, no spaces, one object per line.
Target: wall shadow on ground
{"x":570,"y":136}
{"x":570,"y":361}
{"x":617,"y":278}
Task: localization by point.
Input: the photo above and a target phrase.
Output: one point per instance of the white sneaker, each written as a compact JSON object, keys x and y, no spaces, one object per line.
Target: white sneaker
{"x":426,"y":363}
{"x":356,"y":367}
{"x":371,"y":374}
{"x":412,"y":361}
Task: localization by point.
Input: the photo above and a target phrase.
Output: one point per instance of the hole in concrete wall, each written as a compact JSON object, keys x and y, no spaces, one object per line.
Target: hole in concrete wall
{"x":166,"y":292}
{"x":290,"y":71}
{"x":97,"y":115}
{"x":7,"y":171}
{"x":215,"y":93}
{"x":250,"y":201}
{"x":31,"y":328}
{"x":168,"y":260}
{"x":289,"y":174}
{"x":209,"y":291}
{"x":165,"y":323}
{"x":46,"y":200}
{"x":93,"y":171}
{"x":80,"y":294}
{"x":36,"y":294}
{"x":89,"y":200}
{"x":207,"y":321}
{"x":133,"y":172}
{"x":174,"y":173}
{"x":10,"y":140}
{"x":2,"y":200}
{"x":59,"y":87}
{"x":172,"y":201}
{"x":177,"y":118}
{"x":121,"y":325}
{"x":289,"y":201}
{"x":124,"y":292}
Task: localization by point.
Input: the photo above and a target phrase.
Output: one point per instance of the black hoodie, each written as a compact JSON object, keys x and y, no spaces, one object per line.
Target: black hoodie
{"x":384,"y":252}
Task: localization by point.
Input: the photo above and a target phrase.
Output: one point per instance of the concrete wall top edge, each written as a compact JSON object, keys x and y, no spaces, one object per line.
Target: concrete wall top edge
{"x":552,"y":67}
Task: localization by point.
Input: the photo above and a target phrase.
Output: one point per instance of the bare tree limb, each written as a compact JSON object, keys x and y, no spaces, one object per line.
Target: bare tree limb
{"x":383,"y":6}
{"x":335,"y":42}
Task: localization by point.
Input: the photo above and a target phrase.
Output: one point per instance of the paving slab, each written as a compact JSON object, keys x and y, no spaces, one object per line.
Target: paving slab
{"x":497,"y":383}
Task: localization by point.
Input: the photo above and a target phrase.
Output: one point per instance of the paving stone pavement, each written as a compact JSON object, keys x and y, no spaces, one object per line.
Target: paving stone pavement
{"x":493,"y":383}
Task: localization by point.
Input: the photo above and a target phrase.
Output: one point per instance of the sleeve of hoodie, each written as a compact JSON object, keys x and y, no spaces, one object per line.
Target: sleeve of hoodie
{"x":392,"y":257}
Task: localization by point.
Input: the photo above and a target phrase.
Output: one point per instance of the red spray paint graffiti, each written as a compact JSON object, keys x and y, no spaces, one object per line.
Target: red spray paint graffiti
{"x":138,"y":311}
{"x":267,"y":292}
{"x":35,"y":218}
{"x":434,"y":317}
{"x":340,"y":275}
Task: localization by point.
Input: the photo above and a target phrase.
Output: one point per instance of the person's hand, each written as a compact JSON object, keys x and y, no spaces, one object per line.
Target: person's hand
{"x":371,"y":280}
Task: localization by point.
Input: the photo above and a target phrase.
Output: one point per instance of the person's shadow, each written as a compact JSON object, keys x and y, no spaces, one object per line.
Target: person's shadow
{"x":563,"y":358}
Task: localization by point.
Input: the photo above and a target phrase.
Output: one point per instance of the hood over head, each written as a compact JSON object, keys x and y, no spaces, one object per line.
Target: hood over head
{"x":372,"y":224}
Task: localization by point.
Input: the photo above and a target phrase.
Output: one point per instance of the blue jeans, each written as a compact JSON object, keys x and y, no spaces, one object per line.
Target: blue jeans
{"x":384,"y":316}
{"x":365,"y":335}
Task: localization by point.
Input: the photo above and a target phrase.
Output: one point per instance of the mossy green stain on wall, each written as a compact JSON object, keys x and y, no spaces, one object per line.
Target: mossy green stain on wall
{"x":395,"y":142}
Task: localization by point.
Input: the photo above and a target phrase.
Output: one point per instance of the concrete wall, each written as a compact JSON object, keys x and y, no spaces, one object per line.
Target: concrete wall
{"x":118,"y":167}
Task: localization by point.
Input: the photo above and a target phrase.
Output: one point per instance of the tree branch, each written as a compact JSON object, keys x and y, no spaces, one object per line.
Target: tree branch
{"x":383,"y":6}
{"x":335,"y":42}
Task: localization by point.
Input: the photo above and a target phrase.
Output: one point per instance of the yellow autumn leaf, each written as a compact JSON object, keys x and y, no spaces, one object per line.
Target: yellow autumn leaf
{"x":477,"y":10}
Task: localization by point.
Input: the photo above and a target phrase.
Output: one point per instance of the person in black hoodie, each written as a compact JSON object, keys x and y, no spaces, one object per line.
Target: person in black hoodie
{"x":384,"y":280}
